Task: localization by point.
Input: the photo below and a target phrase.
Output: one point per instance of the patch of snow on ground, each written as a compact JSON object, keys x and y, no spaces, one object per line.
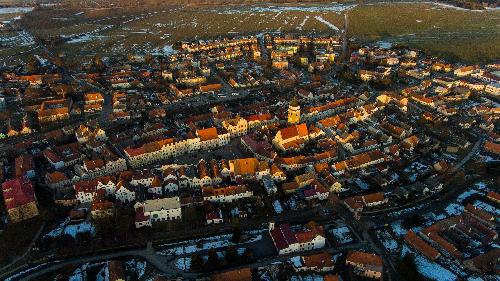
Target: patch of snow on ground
{"x":487,"y":207}
{"x":384,"y":44}
{"x":443,"y":5}
{"x":85,"y":38}
{"x":137,"y":266}
{"x":334,"y":7}
{"x":342,"y":234}
{"x":398,"y":229}
{"x":296,"y":261}
{"x":15,"y":10}
{"x":215,"y":242}
{"x":454,"y":209}
{"x":169,"y":50}
{"x":183,"y":263}
{"x":303,"y":23}
{"x":329,"y":24}
{"x":277,"y":207}
{"x":71,"y":229}
{"x":433,"y":270}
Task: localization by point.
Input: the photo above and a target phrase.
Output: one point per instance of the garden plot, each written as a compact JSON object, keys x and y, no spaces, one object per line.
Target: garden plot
{"x":71,"y":229}
{"x":215,"y":242}
{"x":457,"y":207}
{"x":416,"y":169}
{"x":387,"y":240}
{"x":342,"y":235}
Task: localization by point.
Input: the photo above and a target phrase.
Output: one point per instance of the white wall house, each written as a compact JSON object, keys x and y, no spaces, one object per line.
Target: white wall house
{"x":164,"y":209}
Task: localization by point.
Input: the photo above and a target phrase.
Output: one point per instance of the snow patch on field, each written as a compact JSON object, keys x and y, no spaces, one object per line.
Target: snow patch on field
{"x":15,"y":10}
{"x":303,"y":23}
{"x":85,"y":38}
{"x":448,"y":6}
{"x":329,"y":24}
{"x":334,"y":7}
{"x":384,"y":44}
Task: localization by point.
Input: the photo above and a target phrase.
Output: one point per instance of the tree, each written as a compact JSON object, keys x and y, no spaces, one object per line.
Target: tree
{"x":408,"y":269}
{"x":236,"y":233}
{"x":247,"y":255}
{"x":33,"y":65}
{"x":213,"y":259}
{"x":98,"y":64}
{"x":232,"y":255}
{"x":196,"y":262}
{"x":148,"y":58}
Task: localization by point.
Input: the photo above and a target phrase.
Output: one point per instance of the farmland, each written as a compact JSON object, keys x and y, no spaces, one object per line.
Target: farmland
{"x":470,"y":36}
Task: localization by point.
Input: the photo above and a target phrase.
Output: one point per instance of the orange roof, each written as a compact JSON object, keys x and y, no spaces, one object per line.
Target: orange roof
{"x":224,"y":190}
{"x":492,"y":147}
{"x":245,"y":166}
{"x":207,"y":134}
{"x":294,"y":131}
{"x":259,"y":117}
{"x":211,"y":87}
{"x":275,"y":170}
{"x":93,"y":96}
{"x":333,"y":121}
{"x":364,"y":258}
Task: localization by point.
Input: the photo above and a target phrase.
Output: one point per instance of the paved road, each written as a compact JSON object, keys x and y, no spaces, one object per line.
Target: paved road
{"x":162,"y":263}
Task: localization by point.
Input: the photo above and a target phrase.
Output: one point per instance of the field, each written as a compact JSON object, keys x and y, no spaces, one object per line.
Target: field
{"x":460,"y":35}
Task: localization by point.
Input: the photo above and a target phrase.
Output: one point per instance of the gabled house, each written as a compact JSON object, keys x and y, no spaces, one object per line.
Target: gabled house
{"x":19,"y":198}
{"x":164,"y":209}
{"x":125,"y":193}
{"x":365,"y":264}
{"x":288,"y":241}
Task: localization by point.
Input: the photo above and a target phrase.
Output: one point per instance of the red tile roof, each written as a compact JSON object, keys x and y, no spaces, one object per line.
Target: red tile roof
{"x":421,"y":245}
{"x":283,"y":236}
{"x":18,"y":192}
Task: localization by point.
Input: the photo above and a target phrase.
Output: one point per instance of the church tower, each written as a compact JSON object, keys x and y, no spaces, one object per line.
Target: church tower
{"x":294,"y":112}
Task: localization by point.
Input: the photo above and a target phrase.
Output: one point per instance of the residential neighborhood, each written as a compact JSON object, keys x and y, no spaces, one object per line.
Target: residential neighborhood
{"x":262,"y":157}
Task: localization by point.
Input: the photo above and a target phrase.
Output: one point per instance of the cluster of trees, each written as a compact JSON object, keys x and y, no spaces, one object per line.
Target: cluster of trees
{"x":214,"y":261}
{"x":408,"y":269}
{"x":470,"y":4}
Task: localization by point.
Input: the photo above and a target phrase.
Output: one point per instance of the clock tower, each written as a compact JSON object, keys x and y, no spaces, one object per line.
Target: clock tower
{"x":294,"y":112}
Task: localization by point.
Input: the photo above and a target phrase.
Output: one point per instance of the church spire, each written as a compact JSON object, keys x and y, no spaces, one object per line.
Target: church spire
{"x":294,"y":102}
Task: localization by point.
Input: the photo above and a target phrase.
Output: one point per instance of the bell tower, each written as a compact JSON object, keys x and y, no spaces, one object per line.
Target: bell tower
{"x":294,"y":111}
